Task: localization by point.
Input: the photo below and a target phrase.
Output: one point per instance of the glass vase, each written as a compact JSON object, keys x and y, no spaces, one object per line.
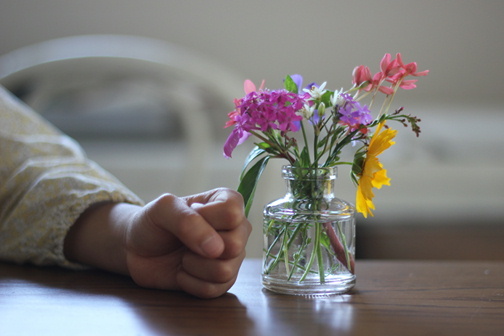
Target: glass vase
{"x":309,"y":236}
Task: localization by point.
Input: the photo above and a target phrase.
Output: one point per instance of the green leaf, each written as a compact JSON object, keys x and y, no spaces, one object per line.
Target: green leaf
{"x":326,"y":98}
{"x":358,"y":163}
{"x":290,"y":85}
{"x":264,"y":145}
{"x":322,"y":142}
{"x":249,"y":180}
{"x":254,"y":153}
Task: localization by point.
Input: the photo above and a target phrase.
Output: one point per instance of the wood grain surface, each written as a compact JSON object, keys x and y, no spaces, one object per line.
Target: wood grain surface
{"x":403,"y":298}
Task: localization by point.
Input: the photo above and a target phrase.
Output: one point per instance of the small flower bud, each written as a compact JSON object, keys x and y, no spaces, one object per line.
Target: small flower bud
{"x":321,"y":109}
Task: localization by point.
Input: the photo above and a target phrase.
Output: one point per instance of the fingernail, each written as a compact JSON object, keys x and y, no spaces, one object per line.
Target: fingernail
{"x":212,"y":246}
{"x":196,"y":206}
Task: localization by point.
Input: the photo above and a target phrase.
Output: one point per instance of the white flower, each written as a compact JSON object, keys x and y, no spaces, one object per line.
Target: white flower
{"x":316,"y":92}
{"x":307,"y":111}
{"x":337,"y":99}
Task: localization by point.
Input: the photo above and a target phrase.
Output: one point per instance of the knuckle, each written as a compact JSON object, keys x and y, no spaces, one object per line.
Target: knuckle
{"x":233,"y":212}
{"x":234,"y":247}
{"x":225,"y":273}
{"x":165,"y":199}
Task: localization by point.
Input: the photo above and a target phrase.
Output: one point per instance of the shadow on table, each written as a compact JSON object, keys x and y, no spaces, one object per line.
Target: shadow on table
{"x":112,"y":303}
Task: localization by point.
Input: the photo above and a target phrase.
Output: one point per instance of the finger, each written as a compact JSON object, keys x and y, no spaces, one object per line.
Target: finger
{"x":208,"y":281}
{"x":212,"y":270}
{"x":235,"y":241}
{"x":214,"y":195}
{"x":172,"y":213}
{"x":234,"y":233}
{"x":225,"y":214}
{"x":201,"y":288}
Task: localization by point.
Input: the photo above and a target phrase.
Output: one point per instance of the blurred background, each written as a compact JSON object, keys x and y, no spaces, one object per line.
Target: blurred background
{"x":145,"y":86}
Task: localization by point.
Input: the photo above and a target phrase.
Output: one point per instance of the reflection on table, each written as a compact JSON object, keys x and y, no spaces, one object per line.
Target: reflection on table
{"x":391,"y":298}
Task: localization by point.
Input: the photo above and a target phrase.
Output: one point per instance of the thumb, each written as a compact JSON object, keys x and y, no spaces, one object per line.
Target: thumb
{"x":212,"y":245}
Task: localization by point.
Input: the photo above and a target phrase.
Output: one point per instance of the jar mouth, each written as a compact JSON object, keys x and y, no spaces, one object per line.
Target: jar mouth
{"x":294,"y":173}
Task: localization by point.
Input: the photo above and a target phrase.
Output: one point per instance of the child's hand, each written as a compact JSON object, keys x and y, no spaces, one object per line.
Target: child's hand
{"x":195,"y":243}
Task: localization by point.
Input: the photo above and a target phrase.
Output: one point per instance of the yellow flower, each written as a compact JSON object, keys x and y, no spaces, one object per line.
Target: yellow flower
{"x":373,"y":175}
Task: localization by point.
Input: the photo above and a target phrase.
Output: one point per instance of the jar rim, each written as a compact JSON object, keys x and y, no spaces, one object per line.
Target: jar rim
{"x":292,"y":173}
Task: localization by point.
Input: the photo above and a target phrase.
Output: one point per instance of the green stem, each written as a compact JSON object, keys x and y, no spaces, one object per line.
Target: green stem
{"x":282,"y":152}
{"x":320,"y":259}
{"x":305,"y":139}
{"x":268,"y":252}
{"x":316,"y":246}
{"x":295,"y":264}
{"x":285,"y":250}
{"x":285,"y":246}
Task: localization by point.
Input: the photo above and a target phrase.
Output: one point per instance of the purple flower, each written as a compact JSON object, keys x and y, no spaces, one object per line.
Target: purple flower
{"x":352,"y":114}
{"x":298,"y":79}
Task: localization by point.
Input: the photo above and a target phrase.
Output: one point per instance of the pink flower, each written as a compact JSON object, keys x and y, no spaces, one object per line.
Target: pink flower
{"x":393,"y":71}
{"x":408,"y":84}
{"x":378,"y":79}
{"x":410,"y":68}
{"x":249,"y":86}
{"x":388,"y":66}
{"x":404,"y":71}
{"x":233,"y":115}
{"x":361,"y":75}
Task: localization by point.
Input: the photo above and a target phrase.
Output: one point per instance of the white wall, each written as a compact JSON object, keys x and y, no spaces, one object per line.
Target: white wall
{"x":460,"y":41}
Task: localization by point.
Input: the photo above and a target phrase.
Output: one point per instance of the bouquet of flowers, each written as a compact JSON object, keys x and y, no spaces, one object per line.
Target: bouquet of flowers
{"x":338,"y":119}
{"x":308,"y":237}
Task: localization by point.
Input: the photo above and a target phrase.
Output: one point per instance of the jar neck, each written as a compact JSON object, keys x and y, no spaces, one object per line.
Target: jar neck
{"x":310,"y":183}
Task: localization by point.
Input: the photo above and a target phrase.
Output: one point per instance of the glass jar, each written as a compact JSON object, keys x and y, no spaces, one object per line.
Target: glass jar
{"x":309,"y":236}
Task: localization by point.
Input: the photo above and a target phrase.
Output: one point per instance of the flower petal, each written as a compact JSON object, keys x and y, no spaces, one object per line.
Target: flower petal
{"x":237,"y":137}
{"x":249,"y":86}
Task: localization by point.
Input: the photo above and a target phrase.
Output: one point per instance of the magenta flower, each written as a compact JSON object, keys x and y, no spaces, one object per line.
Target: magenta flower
{"x":237,"y":137}
{"x":263,"y":111}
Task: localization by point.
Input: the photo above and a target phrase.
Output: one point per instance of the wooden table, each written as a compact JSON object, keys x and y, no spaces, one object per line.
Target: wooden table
{"x":391,"y":298}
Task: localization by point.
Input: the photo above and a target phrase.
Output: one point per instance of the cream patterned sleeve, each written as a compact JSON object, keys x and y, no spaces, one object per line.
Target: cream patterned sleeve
{"x":46,"y":182}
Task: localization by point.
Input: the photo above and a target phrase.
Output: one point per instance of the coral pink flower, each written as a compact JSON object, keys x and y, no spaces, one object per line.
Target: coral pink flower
{"x":249,"y":86}
{"x":361,"y":75}
{"x":405,"y":70}
{"x":378,"y":79}
{"x":393,"y":71}
{"x":410,"y":68}
{"x":389,"y":67}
